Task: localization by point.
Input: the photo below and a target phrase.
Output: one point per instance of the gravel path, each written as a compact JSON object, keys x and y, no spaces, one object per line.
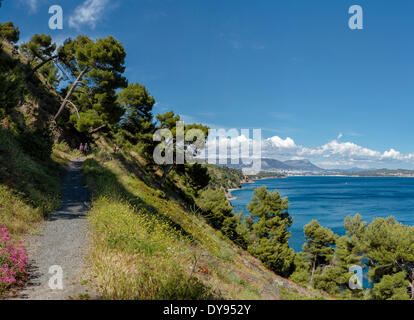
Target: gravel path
{"x":62,"y":241}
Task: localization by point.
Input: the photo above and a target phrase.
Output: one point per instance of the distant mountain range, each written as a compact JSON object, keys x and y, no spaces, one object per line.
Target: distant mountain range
{"x":308,"y":168}
{"x":270,"y":165}
{"x":305,"y":166}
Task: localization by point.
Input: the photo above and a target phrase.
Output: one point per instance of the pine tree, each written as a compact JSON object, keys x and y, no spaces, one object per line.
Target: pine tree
{"x":9,"y":32}
{"x":301,"y":274}
{"x":171,"y":122}
{"x":40,"y":48}
{"x":138,"y":104}
{"x":271,"y":222}
{"x":98,"y":66}
{"x":389,"y":247}
{"x":392,"y":287}
{"x":319,"y":245}
{"x":220,"y":214}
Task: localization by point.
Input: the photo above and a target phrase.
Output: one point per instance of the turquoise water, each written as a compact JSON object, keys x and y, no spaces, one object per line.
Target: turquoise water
{"x":331,"y":199}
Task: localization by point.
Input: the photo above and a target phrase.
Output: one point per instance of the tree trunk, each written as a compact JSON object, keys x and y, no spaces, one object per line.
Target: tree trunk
{"x":167,"y":169}
{"x":76,"y":109}
{"x":31,"y":73}
{"x":97,"y":129}
{"x":78,"y":79}
{"x":313,"y":269}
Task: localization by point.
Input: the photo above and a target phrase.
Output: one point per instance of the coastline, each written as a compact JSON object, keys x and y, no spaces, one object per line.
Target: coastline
{"x":229,"y":194}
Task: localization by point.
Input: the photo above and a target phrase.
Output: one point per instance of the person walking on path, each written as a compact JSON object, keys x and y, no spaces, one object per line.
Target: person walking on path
{"x":81,"y":148}
{"x":86,"y":149}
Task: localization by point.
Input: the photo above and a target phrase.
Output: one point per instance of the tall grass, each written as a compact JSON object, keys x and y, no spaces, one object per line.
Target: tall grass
{"x":137,"y":256}
{"x":15,"y":214}
{"x":29,"y":187}
{"x":137,"y":253}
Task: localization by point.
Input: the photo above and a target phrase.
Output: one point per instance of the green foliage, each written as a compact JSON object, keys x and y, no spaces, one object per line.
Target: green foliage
{"x":136,"y":124}
{"x":190,"y":147}
{"x":220,"y":214}
{"x":51,"y":73}
{"x":88,"y":119}
{"x":197,"y":175}
{"x":392,"y":287}
{"x":103,"y":64}
{"x":39,"y":48}
{"x":224,"y":177}
{"x":329,"y":278}
{"x":169,"y":121}
{"x":40,"y":52}
{"x":138,"y":104}
{"x":9,"y":32}
{"x":155,"y":272}
{"x":270,"y":231}
{"x":385,"y":246}
{"x":10,"y":92}
{"x":319,"y":244}
{"x":11,"y":89}
{"x":30,"y":185}
{"x":389,"y":247}
{"x":330,"y":258}
{"x":302,"y":266}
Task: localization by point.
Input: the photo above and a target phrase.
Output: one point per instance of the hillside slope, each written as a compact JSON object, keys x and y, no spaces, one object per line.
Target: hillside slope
{"x":149,"y":245}
{"x":31,"y":160}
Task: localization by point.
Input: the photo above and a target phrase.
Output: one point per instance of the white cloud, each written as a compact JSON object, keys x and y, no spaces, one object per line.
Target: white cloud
{"x":88,"y":13}
{"x":341,"y":149}
{"x":280,"y":143}
{"x":392,"y":154}
{"x":32,"y":4}
{"x":396,"y":155}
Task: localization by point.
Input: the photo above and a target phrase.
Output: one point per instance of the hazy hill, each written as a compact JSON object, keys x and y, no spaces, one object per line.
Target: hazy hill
{"x":268,"y":164}
{"x":304,"y":165}
{"x":384,"y":173}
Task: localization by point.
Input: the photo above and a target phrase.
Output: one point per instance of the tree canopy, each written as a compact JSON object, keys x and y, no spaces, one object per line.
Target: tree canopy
{"x":40,"y":48}
{"x":98,"y":67}
{"x":9,"y":32}
{"x":270,"y":230}
{"x":138,"y":104}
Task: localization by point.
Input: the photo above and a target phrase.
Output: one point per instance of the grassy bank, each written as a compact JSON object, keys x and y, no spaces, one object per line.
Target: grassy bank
{"x":148,"y":245}
{"x":137,"y":253}
{"x":29,"y":186}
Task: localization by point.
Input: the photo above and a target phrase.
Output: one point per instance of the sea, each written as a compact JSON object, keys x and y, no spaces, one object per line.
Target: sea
{"x":331,"y":199}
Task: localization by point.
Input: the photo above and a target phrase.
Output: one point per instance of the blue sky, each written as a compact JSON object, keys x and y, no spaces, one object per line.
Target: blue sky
{"x":318,"y":90}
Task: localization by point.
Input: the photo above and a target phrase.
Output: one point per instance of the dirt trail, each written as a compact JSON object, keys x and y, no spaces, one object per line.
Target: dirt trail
{"x":62,"y":241}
